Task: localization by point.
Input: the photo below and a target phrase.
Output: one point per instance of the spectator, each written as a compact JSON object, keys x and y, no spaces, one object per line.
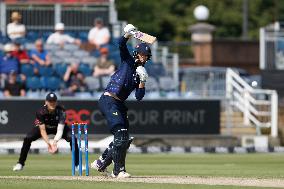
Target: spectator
{"x":15,"y":29}
{"x":20,"y":53}
{"x":77,"y":83}
{"x":99,"y":35}
{"x":104,"y":66}
{"x":74,"y":79}
{"x":8,"y":63}
{"x":40,"y":56}
{"x":13,"y":87}
{"x":59,"y":38}
{"x":70,"y":72}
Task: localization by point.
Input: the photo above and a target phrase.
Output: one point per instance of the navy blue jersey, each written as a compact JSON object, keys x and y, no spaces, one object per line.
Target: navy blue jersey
{"x":125,"y":79}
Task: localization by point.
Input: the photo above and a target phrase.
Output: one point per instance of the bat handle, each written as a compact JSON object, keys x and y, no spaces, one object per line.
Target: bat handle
{"x":133,"y":32}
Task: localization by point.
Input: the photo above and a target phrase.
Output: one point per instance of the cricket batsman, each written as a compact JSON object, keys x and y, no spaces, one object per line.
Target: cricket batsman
{"x":130,"y":76}
{"x":50,"y":119}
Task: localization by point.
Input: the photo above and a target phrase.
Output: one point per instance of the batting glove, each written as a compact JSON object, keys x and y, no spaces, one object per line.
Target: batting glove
{"x":129,"y":28}
{"x":142,"y":73}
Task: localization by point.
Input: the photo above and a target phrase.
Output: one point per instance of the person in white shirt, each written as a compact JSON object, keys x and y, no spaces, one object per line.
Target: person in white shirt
{"x":59,"y":38}
{"x":15,"y":29}
{"x":99,"y":35}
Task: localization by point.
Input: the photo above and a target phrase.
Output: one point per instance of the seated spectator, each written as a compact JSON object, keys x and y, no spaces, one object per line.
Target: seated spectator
{"x":99,"y":35}
{"x":8,"y":63}
{"x":20,"y":53}
{"x":40,"y":56}
{"x":13,"y":87}
{"x":59,"y":38}
{"x":104,"y":67}
{"x":74,"y":79}
{"x":15,"y":29}
{"x":70,"y":72}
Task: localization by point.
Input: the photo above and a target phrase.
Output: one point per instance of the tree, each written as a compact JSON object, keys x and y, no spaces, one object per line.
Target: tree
{"x":170,"y":19}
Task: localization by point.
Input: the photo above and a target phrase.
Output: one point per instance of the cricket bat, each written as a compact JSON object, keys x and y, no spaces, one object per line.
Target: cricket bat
{"x":144,"y":37}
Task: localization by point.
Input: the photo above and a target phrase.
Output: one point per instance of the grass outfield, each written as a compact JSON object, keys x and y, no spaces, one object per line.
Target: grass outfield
{"x":200,"y":165}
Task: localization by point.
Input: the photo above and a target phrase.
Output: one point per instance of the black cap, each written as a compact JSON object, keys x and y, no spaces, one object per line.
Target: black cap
{"x":51,"y":97}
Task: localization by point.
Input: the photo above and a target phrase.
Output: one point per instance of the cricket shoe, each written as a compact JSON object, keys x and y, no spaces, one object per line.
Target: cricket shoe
{"x":18,"y":167}
{"x":121,"y":175}
{"x":97,"y":164}
{"x":83,"y":168}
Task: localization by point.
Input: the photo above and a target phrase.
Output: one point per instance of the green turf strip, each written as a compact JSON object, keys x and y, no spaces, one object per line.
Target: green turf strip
{"x":226,"y":165}
{"x":230,"y":165}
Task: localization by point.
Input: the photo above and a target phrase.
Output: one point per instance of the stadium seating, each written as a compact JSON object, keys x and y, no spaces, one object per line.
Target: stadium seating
{"x":85,"y":69}
{"x":83,"y":36}
{"x":115,"y":57}
{"x":46,"y":71}
{"x":105,"y":80}
{"x":43,"y":82}
{"x":71,"y":47}
{"x":89,"y":60}
{"x":70,"y":60}
{"x":29,"y":46}
{"x":56,"y":60}
{"x":53,"y":83}
{"x":27,"y":70}
{"x":50,"y":78}
{"x":93,"y":83}
{"x":51,"y":47}
{"x":4,"y":39}
{"x":60,"y":69}
{"x":71,"y":33}
{"x":80,"y":54}
{"x":46,"y":34}
{"x":62,"y":53}
{"x":50,"y":83}
{"x":33,"y":83}
{"x":31,"y":36}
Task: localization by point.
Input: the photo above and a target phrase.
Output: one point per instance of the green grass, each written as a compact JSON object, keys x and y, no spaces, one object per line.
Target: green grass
{"x":226,"y":165}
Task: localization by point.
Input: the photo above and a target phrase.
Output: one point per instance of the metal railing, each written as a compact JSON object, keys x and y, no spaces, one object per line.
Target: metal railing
{"x":258,"y":106}
{"x":204,"y":82}
{"x":40,"y":16}
{"x":170,"y":62}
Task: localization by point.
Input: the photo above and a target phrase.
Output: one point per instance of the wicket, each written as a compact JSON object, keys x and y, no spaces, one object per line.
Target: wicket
{"x":85,"y":127}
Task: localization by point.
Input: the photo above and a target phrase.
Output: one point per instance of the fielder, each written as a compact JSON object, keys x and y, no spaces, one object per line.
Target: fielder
{"x":130,"y":76}
{"x":50,"y":119}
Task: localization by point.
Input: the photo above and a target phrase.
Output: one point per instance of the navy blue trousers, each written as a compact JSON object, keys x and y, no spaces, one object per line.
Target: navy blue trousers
{"x":115,"y":113}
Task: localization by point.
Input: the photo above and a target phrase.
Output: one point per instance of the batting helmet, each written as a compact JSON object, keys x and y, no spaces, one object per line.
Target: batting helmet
{"x":144,"y":49}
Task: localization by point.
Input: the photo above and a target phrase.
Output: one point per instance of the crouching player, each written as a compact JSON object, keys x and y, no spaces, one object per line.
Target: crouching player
{"x":130,"y":76}
{"x":50,"y":119}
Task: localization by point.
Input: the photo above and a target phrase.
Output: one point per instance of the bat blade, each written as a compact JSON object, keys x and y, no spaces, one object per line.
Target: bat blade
{"x":144,"y":37}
